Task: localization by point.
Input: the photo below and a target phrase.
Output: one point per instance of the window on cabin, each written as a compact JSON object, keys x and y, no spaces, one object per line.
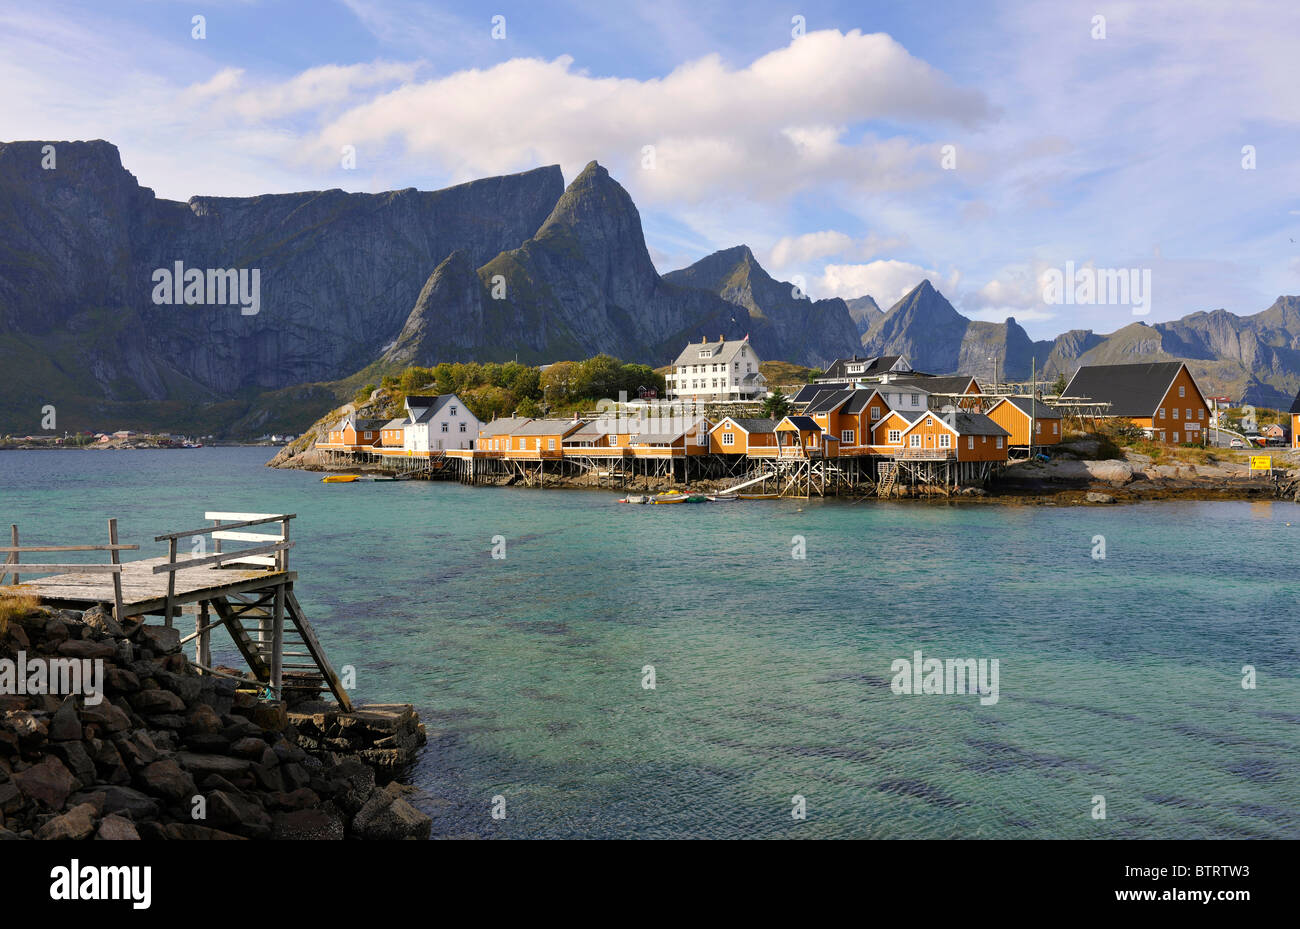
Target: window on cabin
{"x":929,"y":422}
{"x":728,"y":438}
{"x":970,"y":441}
{"x":445,"y":428}
{"x":453,"y":411}
{"x":1056,"y":428}
{"x":550,"y":444}
{"x":999,"y":442}
{"x":1162,"y":412}
{"x":1175,"y":438}
{"x":846,"y":437}
{"x":916,"y":399}
{"x":462,"y":427}
{"x":613,"y":440}
{"x":1200,"y":414}
{"x":916,"y":441}
{"x":1189,"y":414}
{"x":945,"y":441}
{"x":367,"y":433}
{"x":1175,"y":412}
{"x":895,"y":436}
{"x":1182,"y":391}
{"x":875,"y":413}
{"x":1038,"y":428}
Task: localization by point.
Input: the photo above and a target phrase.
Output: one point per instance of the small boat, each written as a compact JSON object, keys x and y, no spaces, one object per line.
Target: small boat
{"x":671,"y":497}
{"x":759,"y":496}
{"x":723,"y":498}
{"x":635,"y":498}
{"x":697,"y":498}
{"x":338,"y":479}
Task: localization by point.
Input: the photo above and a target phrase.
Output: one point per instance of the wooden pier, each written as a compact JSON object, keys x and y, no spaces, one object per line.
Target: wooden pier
{"x":248,"y":591}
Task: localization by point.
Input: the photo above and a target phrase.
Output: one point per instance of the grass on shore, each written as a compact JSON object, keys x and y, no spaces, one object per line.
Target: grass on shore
{"x":15,"y":603}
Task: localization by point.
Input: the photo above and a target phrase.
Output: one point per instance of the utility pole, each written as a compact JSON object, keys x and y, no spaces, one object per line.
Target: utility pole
{"x":1033,"y":405}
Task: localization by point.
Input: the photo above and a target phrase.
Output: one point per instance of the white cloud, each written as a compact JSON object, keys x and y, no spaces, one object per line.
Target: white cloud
{"x":764,"y":130}
{"x":828,"y":243}
{"x":311,"y":90}
{"x":885,"y":280}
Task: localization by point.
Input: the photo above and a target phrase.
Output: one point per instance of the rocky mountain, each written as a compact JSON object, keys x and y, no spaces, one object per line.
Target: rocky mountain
{"x":505,"y":267}
{"x":80,"y":244}
{"x":583,"y":284}
{"x":1252,"y":357}
{"x":865,"y":312}
{"x":787,"y":325}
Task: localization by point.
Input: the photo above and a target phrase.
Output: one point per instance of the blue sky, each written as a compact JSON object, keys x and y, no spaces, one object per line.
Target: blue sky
{"x":823,"y":152}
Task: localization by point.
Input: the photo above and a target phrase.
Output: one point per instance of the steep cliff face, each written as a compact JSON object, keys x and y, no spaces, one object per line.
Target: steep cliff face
{"x":787,"y":326}
{"x":583,"y":284}
{"x":338,"y":275}
{"x":864,"y":311}
{"x":924,"y":328}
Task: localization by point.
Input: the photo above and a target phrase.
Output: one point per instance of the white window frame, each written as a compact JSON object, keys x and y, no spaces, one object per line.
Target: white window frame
{"x":945,"y":440}
{"x":915,"y":440}
{"x":894,"y":436}
{"x":970,"y":441}
{"x":999,"y":443}
{"x":846,"y":436}
{"x":728,"y":438}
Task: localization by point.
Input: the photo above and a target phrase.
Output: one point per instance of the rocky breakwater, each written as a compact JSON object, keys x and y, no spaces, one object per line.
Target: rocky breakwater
{"x":1072,"y":477}
{"x":148,"y":748}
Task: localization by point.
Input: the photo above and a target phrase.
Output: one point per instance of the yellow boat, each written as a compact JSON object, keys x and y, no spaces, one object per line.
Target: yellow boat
{"x":671,"y":497}
{"x":338,"y":479}
{"x":759,"y":496}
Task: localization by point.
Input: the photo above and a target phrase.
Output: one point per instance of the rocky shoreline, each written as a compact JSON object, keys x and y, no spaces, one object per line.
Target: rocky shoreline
{"x":169,"y":753}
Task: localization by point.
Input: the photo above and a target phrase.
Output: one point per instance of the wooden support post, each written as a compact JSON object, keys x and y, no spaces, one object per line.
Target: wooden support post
{"x":13,"y":556}
{"x":171,"y":581}
{"x":277,"y":640}
{"x":117,"y":577}
{"x":203,"y":646}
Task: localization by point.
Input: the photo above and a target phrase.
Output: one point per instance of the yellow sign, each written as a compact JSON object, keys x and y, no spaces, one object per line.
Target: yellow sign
{"x":1261,"y":462}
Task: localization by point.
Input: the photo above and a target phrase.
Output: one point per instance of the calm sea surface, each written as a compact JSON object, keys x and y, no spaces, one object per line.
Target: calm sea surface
{"x":1119,"y":678}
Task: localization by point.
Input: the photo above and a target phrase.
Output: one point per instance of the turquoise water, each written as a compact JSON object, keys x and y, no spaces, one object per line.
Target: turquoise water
{"x":1118,"y":677}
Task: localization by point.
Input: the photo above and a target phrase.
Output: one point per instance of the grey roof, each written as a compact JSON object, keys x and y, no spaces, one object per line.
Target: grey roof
{"x":417,"y":401}
{"x":874,"y":366}
{"x":859,"y":401}
{"x":973,"y":424}
{"x":371,"y":424}
{"x":809,"y":392}
{"x":504,"y":426}
{"x":804,"y":423}
{"x":588,"y":430}
{"x":1131,"y":390}
{"x":754,"y":425}
{"x":655,"y":438}
{"x":1035,"y":408}
{"x":828,"y":402}
{"x":398,"y":423}
{"x":722,"y":351}
{"x":948,"y":384}
{"x":547,"y":427}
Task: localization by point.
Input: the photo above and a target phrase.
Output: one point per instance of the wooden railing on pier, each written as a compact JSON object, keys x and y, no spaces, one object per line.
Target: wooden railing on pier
{"x":252,"y":583}
{"x":275,"y":553}
{"x":114,"y":567}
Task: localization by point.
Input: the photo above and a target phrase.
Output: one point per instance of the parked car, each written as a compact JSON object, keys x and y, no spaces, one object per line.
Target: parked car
{"x":1236,"y":443}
